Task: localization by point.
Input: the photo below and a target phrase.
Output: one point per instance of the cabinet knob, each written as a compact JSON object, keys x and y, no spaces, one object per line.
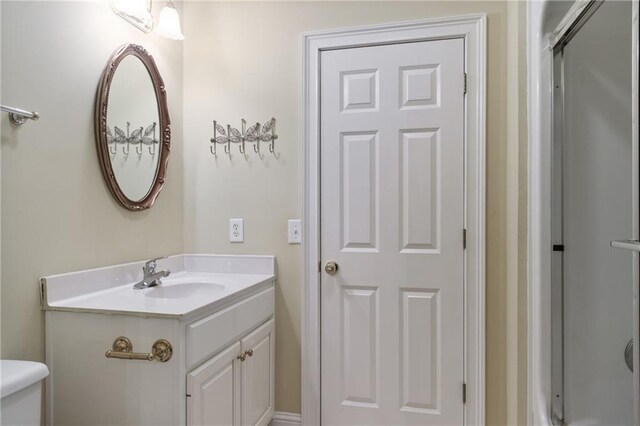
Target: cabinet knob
{"x":247,"y":353}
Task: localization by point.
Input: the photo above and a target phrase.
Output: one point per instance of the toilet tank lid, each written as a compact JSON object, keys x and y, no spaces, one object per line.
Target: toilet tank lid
{"x":17,"y":375}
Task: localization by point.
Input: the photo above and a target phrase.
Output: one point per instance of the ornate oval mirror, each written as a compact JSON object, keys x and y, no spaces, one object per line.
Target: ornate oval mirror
{"x":133,"y":131}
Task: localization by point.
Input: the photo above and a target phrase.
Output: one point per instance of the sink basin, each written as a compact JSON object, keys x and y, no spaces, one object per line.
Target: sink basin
{"x":196,"y":283}
{"x":181,"y":290}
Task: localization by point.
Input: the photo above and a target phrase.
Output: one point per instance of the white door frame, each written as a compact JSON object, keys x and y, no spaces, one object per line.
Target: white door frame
{"x":472,"y":28}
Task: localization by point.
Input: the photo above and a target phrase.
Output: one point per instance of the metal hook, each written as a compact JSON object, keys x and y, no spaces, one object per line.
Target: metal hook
{"x":126,"y":151}
{"x":244,"y":125}
{"x":273,"y":143}
{"x":273,"y":136}
{"x":256,"y":146}
{"x":213,"y":140}
{"x":138,"y":143}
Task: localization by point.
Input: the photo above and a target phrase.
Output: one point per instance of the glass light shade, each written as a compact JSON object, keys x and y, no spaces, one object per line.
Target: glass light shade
{"x":136,"y":12}
{"x":169,"y":24}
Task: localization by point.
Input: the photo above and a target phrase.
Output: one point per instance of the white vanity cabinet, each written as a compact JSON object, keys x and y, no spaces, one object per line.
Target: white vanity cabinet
{"x":221,"y":371}
{"x":236,"y":386}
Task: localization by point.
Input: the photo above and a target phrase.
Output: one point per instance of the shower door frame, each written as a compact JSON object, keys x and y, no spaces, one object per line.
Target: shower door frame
{"x":570,"y":25}
{"x":545,"y":130}
{"x":557,"y":239}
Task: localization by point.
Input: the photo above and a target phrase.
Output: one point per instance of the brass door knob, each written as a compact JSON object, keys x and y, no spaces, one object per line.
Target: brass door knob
{"x":331,"y":267}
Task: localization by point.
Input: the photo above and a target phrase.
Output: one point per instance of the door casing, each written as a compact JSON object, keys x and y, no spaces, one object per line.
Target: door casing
{"x":472,"y":28}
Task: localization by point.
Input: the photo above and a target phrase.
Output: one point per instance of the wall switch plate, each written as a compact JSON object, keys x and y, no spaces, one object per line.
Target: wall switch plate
{"x":236,"y":230}
{"x":295,"y":231}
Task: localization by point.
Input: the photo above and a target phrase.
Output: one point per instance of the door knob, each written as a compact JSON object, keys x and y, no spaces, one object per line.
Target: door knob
{"x":331,"y":267}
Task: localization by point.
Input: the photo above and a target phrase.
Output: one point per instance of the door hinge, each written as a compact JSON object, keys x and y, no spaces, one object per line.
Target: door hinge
{"x":188,"y":396}
{"x":464,"y":239}
{"x":319,"y":266}
{"x":464,"y":393}
{"x":464,"y":84}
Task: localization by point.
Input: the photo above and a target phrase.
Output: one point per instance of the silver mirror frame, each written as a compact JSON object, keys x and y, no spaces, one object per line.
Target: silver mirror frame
{"x":100,"y":123}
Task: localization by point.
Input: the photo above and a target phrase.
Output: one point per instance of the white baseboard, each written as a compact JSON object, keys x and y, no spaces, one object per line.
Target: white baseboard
{"x":281,"y":418}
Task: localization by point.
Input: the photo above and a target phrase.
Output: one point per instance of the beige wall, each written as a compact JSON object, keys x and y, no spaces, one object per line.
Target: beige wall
{"x":243,"y":60}
{"x":516,"y":218}
{"x":57,"y":213}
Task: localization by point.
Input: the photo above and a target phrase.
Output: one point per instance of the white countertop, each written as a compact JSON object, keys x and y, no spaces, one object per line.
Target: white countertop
{"x":196,"y":283}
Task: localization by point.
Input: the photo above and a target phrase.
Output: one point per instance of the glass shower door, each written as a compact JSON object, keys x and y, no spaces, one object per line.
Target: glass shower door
{"x":595,"y":201}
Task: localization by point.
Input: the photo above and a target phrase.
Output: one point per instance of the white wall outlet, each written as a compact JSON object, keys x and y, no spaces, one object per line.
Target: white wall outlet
{"x":295,"y":231}
{"x":236,"y":230}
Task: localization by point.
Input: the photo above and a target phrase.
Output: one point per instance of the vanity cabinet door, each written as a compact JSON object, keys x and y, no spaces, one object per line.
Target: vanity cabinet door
{"x":258,"y":375}
{"x":213,"y":393}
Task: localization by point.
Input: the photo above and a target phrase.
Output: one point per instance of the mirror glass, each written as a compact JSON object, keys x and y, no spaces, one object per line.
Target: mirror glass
{"x":132,"y":128}
{"x":130,"y":115}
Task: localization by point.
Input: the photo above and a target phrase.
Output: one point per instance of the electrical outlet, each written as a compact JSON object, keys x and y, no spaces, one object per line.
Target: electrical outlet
{"x":236,"y":230}
{"x":295,"y":231}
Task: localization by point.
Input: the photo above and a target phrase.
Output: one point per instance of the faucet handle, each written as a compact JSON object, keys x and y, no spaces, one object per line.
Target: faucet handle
{"x":150,"y":265}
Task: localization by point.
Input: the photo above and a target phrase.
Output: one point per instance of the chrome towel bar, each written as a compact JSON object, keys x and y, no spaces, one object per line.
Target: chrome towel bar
{"x":19,"y":116}
{"x":633,"y":245}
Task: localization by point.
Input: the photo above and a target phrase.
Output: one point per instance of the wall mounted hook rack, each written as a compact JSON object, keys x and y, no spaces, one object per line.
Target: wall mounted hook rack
{"x":139,"y":137}
{"x":253,"y":134}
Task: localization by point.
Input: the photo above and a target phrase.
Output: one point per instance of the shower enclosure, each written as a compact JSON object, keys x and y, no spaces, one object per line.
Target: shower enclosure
{"x":584,"y":183}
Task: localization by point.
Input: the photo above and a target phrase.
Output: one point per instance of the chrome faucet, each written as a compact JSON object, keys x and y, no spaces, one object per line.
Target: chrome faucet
{"x":150,"y":277}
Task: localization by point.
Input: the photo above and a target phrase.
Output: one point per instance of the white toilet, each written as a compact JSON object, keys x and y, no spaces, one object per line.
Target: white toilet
{"x":20,"y":392}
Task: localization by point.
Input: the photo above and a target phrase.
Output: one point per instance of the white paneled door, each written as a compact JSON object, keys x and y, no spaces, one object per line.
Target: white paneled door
{"x":392,"y":219}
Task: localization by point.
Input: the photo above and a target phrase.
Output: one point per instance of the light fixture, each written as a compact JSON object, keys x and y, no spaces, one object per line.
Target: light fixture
{"x":136,"y":12}
{"x":169,"y":23}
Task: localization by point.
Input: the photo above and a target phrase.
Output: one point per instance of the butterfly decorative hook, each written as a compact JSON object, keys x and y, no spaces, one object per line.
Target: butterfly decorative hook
{"x":148,"y":139}
{"x":269,"y":134}
{"x":122,"y":138}
{"x":252,"y":134}
{"x":112,"y":143}
{"x":220,"y":137}
{"x":138,"y":137}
